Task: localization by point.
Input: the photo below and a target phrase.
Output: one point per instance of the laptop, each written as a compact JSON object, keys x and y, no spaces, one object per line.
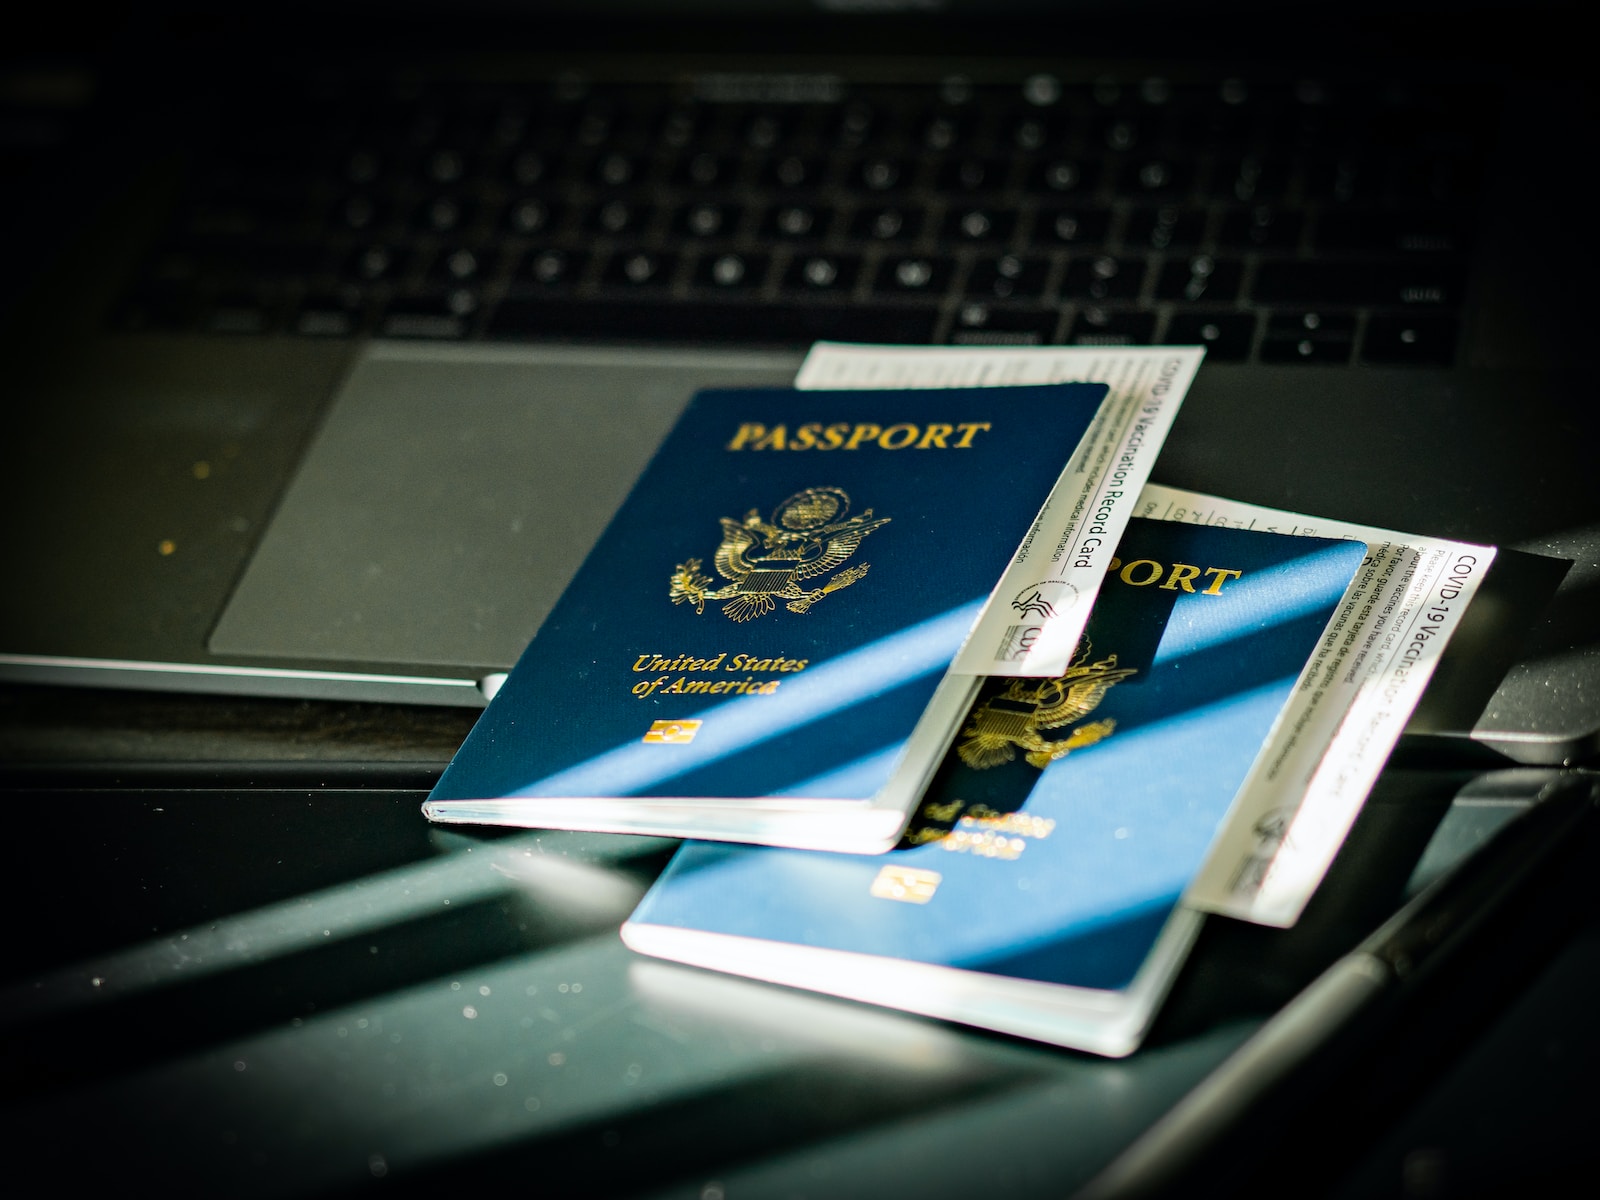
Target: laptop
{"x":336,"y":334}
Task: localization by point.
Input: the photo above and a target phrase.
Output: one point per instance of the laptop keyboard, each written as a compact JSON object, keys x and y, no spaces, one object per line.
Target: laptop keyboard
{"x":1285,"y":222}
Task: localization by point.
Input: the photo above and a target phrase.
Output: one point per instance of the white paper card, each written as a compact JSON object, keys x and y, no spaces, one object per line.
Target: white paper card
{"x":1348,"y":710}
{"x":1034,"y":617}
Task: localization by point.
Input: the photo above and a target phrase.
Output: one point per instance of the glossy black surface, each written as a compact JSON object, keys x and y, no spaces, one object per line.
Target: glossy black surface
{"x":287,"y":990}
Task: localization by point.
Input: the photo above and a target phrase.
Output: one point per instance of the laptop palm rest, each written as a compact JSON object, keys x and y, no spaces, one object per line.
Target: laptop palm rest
{"x":450,"y":495}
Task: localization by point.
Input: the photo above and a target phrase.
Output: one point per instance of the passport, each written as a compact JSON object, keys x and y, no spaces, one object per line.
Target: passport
{"x":1039,"y":889}
{"x":758,"y":646}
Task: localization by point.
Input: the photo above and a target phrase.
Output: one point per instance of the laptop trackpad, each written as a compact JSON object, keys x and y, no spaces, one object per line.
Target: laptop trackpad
{"x":451,"y":494}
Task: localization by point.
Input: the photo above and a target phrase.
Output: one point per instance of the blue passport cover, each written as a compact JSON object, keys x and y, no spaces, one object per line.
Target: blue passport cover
{"x":1064,"y":870}
{"x":774,"y":604}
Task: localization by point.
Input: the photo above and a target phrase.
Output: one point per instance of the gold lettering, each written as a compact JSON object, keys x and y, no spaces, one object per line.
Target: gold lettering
{"x":1155,"y":572}
{"x":897,"y":436}
{"x":986,"y":844}
{"x":747,"y":432}
{"x":774,"y":440}
{"x":1182,"y":575}
{"x":1221,"y":577}
{"x":1019,"y":824}
{"x":861,"y":433}
{"x":969,"y":430}
{"x":752,"y":435}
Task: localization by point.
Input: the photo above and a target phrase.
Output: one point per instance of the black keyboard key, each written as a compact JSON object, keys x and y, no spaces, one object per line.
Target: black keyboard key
{"x":1345,"y":179}
{"x":443,"y":167}
{"x":1441,"y":180}
{"x":705,"y":170}
{"x":1098,"y":327}
{"x":1153,"y":179}
{"x":1072,"y":226}
{"x":679,"y":127}
{"x":731,"y":271}
{"x":971,"y":174}
{"x":1309,"y":337}
{"x":797,"y":222}
{"x":1226,"y":336}
{"x":979,"y":324}
{"x":528,"y":168}
{"x":1200,"y":278}
{"x":973,"y":223}
{"x":789,"y":324}
{"x":1117,"y":131}
{"x":439,"y":315}
{"x":881,"y":174}
{"x":1035,"y":131}
{"x":531,"y":215}
{"x":615,"y":217}
{"x":459,"y":265}
{"x":376,"y":261}
{"x":707,"y":219}
{"x":914,"y":274}
{"x":767,"y":129}
{"x":361,"y":213}
{"x":1423,"y":283}
{"x":639,"y":269}
{"x":1411,"y":339}
{"x":594,"y":127}
{"x":854,"y":126}
{"x":1165,"y":228}
{"x":362,"y":166}
{"x":1104,"y":278}
{"x":1386,"y":231}
{"x":551,"y":268}
{"x":1249,"y":180}
{"x":944,"y":131}
{"x":822,"y":274}
{"x":1009,"y":277}
{"x":793,"y":171}
{"x":443,"y":214}
{"x":890,"y":223}
{"x":1263,"y":227}
{"x":241,"y":314}
{"x":1205,"y":118}
{"x":1060,"y":176}
{"x":329,"y":315}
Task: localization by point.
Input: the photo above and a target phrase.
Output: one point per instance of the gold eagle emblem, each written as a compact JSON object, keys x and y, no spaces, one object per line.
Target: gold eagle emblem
{"x":1015,"y":716}
{"x":766,"y":561}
